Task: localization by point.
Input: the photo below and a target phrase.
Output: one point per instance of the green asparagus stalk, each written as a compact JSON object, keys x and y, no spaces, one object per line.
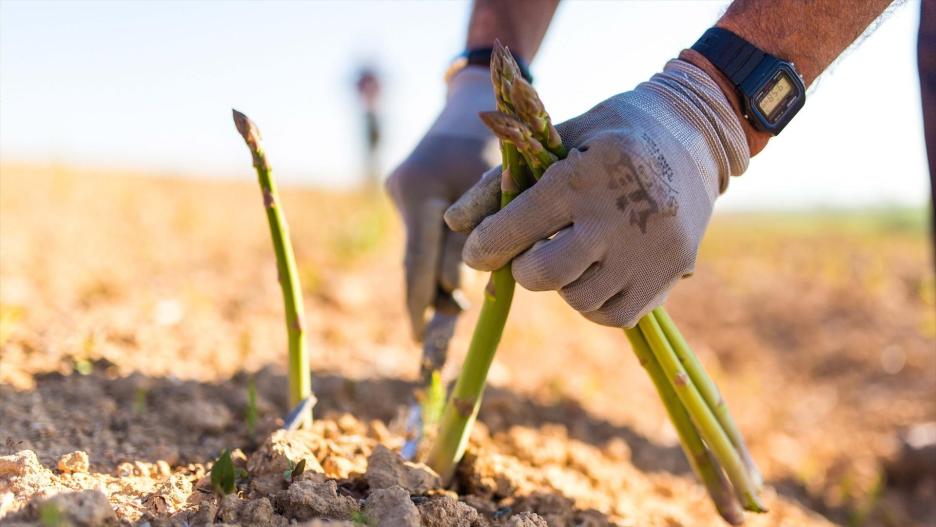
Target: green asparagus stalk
{"x":703,"y":417}
{"x":300,"y":382}
{"x":699,"y":456}
{"x":708,"y":390}
{"x":463,"y":404}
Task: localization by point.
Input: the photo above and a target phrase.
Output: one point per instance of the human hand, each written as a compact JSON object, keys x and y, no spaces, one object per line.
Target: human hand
{"x":447,"y":161}
{"x":614,"y":225}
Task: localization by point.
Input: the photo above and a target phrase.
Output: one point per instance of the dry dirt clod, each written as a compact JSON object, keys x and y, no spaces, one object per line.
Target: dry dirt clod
{"x":338,"y":467}
{"x":315,"y":497}
{"x":21,"y":463}
{"x":229,"y":508}
{"x":282,"y":450}
{"x":206,"y":512}
{"x":489,"y":473}
{"x":526,"y":519}
{"x":386,"y":469}
{"x":23,"y":475}
{"x":86,"y":508}
{"x":392,"y":507}
{"x":74,"y":462}
{"x":540,"y":447}
{"x":445,"y":511}
{"x":260,"y":513}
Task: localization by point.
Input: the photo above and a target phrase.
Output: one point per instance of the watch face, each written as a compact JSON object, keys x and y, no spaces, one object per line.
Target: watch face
{"x":776,"y":97}
{"x":773,"y":94}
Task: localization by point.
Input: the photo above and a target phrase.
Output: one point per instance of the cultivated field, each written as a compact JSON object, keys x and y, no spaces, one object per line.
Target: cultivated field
{"x":134,"y":312}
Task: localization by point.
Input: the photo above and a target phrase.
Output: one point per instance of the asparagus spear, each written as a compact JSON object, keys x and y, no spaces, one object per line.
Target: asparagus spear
{"x":708,"y":390}
{"x":300,"y":381}
{"x":463,"y":404}
{"x":699,"y":456}
{"x":705,"y":421}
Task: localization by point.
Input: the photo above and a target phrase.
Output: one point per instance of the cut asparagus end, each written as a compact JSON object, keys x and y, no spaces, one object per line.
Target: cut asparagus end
{"x":709,"y":392}
{"x":700,"y":458}
{"x":705,"y":421}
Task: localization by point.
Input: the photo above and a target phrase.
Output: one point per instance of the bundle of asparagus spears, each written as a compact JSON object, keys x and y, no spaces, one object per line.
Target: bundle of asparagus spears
{"x":709,"y":437}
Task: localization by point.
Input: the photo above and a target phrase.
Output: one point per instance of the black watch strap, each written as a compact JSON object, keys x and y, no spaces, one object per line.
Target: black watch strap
{"x":731,"y":54}
{"x":482,"y":57}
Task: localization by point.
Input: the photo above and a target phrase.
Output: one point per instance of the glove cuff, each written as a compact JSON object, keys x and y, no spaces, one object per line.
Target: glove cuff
{"x":469,"y":93}
{"x":700,"y":102}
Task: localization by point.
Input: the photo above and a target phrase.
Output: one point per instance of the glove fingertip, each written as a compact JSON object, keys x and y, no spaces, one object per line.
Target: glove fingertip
{"x":474,"y":205}
{"x":457,"y":220}
{"x":477,"y":254}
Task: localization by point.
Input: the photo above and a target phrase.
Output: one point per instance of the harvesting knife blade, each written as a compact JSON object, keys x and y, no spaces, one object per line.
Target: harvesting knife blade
{"x":295,"y":417}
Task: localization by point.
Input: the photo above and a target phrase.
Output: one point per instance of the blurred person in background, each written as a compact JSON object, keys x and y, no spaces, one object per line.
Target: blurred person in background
{"x":368,"y":89}
{"x":617,"y":223}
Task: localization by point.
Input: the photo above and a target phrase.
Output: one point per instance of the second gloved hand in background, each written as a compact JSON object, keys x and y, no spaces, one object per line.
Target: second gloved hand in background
{"x":449,"y":159}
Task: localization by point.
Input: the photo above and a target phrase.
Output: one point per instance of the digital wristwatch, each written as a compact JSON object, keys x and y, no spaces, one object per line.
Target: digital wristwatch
{"x":772,"y":89}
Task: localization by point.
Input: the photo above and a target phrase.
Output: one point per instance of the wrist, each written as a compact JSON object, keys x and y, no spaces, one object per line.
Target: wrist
{"x":756,"y":139}
{"x":469,"y":93}
{"x":481,"y":56}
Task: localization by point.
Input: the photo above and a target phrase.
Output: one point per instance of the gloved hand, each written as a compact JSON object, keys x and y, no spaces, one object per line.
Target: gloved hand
{"x":616,"y":224}
{"x":451,"y":157}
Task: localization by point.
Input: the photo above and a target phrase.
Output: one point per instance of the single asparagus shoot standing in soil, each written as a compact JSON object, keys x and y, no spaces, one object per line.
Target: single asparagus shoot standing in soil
{"x":300,"y":380}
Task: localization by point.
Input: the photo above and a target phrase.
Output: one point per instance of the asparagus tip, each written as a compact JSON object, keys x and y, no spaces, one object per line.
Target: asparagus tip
{"x":246,"y":128}
{"x":505,"y":126}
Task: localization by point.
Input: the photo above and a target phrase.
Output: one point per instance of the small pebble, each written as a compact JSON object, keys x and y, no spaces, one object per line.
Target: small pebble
{"x":74,"y":463}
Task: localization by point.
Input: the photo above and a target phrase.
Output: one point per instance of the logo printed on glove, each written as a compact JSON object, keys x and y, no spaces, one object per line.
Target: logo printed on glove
{"x":647,"y":185}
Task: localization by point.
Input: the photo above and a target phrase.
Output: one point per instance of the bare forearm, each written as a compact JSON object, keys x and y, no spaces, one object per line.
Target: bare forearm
{"x":519,"y":24}
{"x":809,"y":33}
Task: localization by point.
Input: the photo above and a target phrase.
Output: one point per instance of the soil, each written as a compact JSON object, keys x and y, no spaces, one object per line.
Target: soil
{"x":135,"y":311}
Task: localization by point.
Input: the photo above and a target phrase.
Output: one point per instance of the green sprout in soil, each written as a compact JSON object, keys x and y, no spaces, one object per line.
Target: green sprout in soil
{"x":294,"y":471}
{"x":361,"y":518}
{"x":708,"y":434}
{"x":250,"y":413}
{"x":84,"y":366}
{"x":223,"y":475}
{"x":300,"y":381}
{"x":139,"y":401}
{"x":51,"y":516}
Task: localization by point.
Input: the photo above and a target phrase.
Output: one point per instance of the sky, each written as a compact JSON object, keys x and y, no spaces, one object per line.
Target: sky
{"x":148,"y":85}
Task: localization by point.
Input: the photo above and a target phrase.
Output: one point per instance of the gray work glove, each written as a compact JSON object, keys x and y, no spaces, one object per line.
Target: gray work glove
{"x":451,"y":157}
{"x":618,"y":222}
